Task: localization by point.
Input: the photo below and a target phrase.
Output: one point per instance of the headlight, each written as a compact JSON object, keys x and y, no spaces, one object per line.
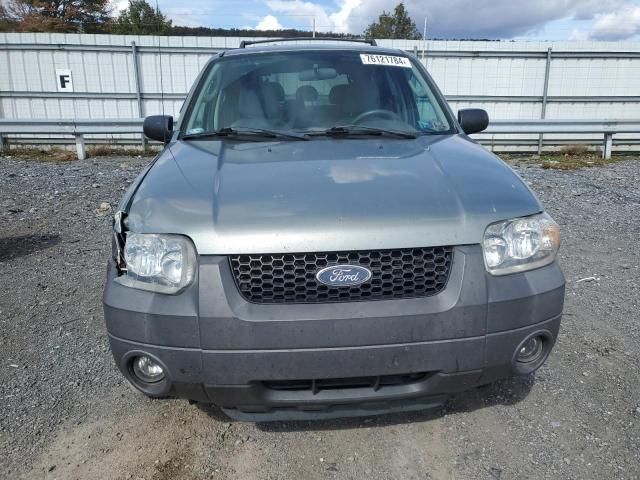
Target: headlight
{"x":520,"y":244}
{"x":158,"y":263}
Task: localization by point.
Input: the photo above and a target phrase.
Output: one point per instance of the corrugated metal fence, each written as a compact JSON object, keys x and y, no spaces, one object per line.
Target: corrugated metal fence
{"x":114,"y":76}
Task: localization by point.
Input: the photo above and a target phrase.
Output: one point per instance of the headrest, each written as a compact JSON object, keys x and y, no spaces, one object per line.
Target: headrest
{"x":249,"y":105}
{"x":337,"y":94}
{"x":361,"y":99}
{"x":307,"y":93}
{"x":274,"y":90}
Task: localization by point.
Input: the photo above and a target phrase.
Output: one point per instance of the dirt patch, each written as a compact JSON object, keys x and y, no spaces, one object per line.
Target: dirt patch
{"x":13,"y":247}
{"x":112,"y":151}
{"x":570,"y":158}
{"x":66,"y":413}
{"x":139,"y":444}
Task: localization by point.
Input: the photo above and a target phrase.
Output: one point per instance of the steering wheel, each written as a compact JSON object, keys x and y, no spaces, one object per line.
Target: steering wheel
{"x":386,"y":114}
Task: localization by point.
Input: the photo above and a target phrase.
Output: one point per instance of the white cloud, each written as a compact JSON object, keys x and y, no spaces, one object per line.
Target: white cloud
{"x":304,"y":13}
{"x":185,"y":16}
{"x":340,"y":19}
{"x":619,"y":25}
{"x":578,"y":35}
{"x":118,"y":6}
{"x":269,"y":23}
{"x":587,"y":9}
{"x":494,"y":19}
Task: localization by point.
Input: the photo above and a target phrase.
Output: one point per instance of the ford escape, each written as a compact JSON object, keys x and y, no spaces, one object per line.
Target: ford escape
{"x":319,"y":238}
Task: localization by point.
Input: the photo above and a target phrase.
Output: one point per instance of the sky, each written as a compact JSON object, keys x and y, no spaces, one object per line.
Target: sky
{"x":492,"y":19}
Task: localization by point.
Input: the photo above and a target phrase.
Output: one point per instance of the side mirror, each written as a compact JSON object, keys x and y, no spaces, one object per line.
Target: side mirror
{"x":473,"y":120}
{"x":158,"y":127}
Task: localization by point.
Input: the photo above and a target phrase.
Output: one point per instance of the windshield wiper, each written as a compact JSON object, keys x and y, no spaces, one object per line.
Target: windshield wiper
{"x":255,"y":132}
{"x":346,"y":130}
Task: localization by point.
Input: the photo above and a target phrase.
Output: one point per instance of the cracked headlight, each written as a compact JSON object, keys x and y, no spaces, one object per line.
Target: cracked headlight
{"x":520,"y":244}
{"x":158,"y":263}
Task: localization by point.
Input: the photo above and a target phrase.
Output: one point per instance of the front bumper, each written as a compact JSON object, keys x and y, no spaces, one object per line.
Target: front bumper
{"x":217,"y":347}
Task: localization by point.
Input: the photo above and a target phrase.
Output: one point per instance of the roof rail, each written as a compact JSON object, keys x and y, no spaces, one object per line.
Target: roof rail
{"x":370,"y":41}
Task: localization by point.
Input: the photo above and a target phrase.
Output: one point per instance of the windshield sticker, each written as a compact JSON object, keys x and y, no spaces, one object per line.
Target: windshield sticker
{"x":389,"y":60}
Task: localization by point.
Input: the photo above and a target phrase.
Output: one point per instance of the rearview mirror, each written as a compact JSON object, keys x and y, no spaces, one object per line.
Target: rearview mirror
{"x":323,"y":73}
{"x":158,"y":127}
{"x":473,"y":120}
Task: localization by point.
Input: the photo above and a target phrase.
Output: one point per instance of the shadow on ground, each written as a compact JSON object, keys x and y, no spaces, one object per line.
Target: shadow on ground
{"x":504,"y":392}
{"x":14,"y":247}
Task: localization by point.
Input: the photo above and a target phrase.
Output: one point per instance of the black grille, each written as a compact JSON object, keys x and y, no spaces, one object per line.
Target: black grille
{"x":291,"y":278}
{"x":375,"y":383}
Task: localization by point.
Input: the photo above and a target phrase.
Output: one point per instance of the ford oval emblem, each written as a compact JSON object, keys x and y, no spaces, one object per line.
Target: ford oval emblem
{"x":343,"y":275}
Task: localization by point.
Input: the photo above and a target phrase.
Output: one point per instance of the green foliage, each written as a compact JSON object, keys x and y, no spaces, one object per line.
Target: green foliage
{"x":56,"y":15}
{"x":249,"y":32}
{"x":140,"y":18}
{"x":6,"y":22}
{"x":394,"y":25}
{"x":94,"y":16}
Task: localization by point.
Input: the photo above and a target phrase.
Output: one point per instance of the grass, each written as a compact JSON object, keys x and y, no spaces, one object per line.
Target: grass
{"x":574,"y":162}
{"x":571,"y":157}
{"x":59,"y":154}
{"x":53,"y":154}
{"x":111,"y":151}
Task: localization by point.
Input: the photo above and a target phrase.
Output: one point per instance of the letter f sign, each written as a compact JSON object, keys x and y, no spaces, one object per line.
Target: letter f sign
{"x":64,"y":80}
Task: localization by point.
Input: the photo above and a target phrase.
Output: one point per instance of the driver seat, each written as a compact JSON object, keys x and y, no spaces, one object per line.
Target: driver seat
{"x":358,"y":99}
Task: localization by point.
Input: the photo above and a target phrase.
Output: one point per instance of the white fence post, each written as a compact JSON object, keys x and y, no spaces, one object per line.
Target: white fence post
{"x":138,"y":84}
{"x":80,"y":147}
{"x":545,"y":97}
{"x":608,"y":146}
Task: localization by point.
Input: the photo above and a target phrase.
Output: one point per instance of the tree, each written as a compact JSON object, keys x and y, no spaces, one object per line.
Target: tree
{"x":142,"y":19}
{"x":58,"y":15}
{"x":396,"y":25}
{"x":250,"y":32}
{"x":6,"y":22}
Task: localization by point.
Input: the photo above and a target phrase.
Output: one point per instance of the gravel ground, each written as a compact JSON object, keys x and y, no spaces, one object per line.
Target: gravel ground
{"x":66,"y":413}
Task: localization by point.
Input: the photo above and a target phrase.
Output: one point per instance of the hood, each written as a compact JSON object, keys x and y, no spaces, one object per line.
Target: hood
{"x":327,"y":194}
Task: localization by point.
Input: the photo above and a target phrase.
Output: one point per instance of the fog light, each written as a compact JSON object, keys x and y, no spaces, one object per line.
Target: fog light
{"x":147,"y":370}
{"x":531,"y":350}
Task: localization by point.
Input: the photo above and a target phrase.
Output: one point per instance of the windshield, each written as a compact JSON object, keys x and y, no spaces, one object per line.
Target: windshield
{"x":313,"y":91}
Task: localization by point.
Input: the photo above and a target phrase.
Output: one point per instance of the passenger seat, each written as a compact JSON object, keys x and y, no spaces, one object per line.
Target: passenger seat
{"x":337,"y":96}
{"x":305,"y":106}
{"x":272,"y":95}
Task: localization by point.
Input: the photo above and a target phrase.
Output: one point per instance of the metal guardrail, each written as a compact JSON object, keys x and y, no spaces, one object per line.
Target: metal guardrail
{"x":607,"y":128}
{"x":79,"y":128}
{"x":76,"y":128}
{"x":450,"y":98}
{"x":431,"y":51}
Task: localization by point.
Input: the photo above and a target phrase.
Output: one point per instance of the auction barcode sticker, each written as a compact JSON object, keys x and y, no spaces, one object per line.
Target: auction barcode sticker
{"x":389,"y":60}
